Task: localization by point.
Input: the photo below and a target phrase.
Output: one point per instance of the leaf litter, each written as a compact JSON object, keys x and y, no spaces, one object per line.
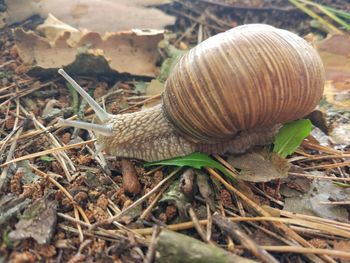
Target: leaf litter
{"x":90,"y":200}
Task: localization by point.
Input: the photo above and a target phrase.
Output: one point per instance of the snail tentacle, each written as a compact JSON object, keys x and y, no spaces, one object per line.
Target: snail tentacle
{"x":100,"y":112}
{"x":102,"y":129}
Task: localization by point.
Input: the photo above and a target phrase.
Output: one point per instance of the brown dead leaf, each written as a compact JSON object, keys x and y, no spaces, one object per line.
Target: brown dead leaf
{"x":260,"y":166}
{"x":53,"y":28}
{"x":133,"y":52}
{"x":335,"y":54}
{"x":94,"y":15}
{"x":310,"y":203}
{"x":37,"y":222}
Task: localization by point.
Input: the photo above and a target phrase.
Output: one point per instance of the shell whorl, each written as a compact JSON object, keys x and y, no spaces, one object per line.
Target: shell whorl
{"x":250,"y":76}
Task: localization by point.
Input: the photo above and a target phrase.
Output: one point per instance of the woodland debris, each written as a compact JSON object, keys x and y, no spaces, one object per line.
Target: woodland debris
{"x":134,"y":52}
{"x":235,"y":232}
{"x":173,"y":247}
{"x":260,"y":166}
{"x":310,"y":203}
{"x":94,"y":15}
{"x":10,"y":206}
{"x":335,"y":51}
{"x":131,"y":183}
{"x":38,"y":222}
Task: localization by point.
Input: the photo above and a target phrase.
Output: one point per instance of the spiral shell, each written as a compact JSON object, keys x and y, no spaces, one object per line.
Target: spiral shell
{"x":250,"y":76}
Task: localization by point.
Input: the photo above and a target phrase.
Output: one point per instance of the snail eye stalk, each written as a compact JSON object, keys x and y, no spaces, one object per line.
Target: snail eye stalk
{"x":102,"y":129}
{"x":100,"y":112}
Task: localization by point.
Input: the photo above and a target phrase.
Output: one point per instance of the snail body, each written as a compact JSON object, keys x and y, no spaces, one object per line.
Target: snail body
{"x":228,"y":93}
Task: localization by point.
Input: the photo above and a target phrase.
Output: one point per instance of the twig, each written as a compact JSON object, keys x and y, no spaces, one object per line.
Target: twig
{"x":311,"y":13}
{"x":321,"y":177}
{"x":64,"y":191}
{"x":152,"y":246}
{"x":197,"y":226}
{"x":137,"y":202}
{"x":61,"y":156}
{"x":320,"y":148}
{"x":54,"y":150}
{"x":304,"y":250}
{"x":197,"y":20}
{"x":320,"y":220}
{"x":141,"y":102}
{"x":149,"y":208}
{"x":4,"y":172}
{"x":76,"y":214}
{"x":328,"y":166}
{"x":335,"y":203}
{"x":262,"y":212}
{"x":233,"y":230}
{"x":210,"y":221}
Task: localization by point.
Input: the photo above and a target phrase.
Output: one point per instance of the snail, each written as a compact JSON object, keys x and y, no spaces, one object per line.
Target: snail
{"x":229,"y":93}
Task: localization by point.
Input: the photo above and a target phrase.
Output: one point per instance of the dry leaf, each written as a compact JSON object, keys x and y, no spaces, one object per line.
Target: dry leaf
{"x":94,"y":15}
{"x":335,"y":54}
{"x":53,"y":28}
{"x":38,"y":222}
{"x":260,"y":166}
{"x":133,"y":52}
{"x":310,"y":203}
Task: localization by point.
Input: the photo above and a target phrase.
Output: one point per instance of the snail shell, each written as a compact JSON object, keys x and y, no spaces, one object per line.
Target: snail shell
{"x":250,"y":76}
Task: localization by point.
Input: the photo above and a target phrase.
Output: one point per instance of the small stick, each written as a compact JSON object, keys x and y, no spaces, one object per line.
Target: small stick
{"x":149,"y":258}
{"x":210,"y":221}
{"x":64,"y":191}
{"x":197,"y":226}
{"x":4,"y":173}
{"x":54,"y":150}
{"x":321,"y":177}
{"x":137,"y":202}
{"x":154,"y":201}
{"x":305,"y":250}
{"x":76,"y":215}
{"x":234,"y":231}
{"x":328,"y":166}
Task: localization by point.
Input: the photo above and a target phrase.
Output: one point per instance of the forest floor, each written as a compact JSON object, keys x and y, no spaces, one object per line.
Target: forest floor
{"x":62,"y":201}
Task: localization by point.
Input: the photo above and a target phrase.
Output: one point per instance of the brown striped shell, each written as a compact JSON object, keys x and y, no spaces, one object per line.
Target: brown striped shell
{"x":250,"y":76}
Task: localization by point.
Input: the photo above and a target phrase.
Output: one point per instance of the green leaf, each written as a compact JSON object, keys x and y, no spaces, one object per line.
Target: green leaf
{"x":195,"y":160}
{"x":140,"y":86}
{"x":46,"y":158}
{"x":290,"y":136}
{"x":168,"y":64}
{"x":75,"y":98}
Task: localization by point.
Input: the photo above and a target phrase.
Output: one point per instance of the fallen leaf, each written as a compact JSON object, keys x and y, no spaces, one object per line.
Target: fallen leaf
{"x":94,"y":15}
{"x":133,"y":52}
{"x":335,"y":54}
{"x":260,"y":166}
{"x":53,"y":28}
{"x":310,"y":203}
{"x":205,"y":189}
{"x":37,"y":222}
{"x":294,"y":185}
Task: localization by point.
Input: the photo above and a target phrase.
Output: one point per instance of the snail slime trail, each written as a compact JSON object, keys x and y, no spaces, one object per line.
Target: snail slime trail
{"x":258,"y":78}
